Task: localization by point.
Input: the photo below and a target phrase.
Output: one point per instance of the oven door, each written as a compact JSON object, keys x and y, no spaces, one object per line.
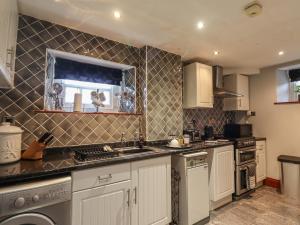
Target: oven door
{"x":245,"y":155}
{"x":245,"y":178}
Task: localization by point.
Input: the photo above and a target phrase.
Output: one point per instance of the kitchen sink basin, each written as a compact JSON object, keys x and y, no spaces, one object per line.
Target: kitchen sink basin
{"x":129,"y":151}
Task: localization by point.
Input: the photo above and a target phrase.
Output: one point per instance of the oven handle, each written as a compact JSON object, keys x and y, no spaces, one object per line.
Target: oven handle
{"x":247,"y":150}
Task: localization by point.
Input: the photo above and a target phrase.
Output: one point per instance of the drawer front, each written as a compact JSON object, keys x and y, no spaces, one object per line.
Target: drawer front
{"x":100,"y":176}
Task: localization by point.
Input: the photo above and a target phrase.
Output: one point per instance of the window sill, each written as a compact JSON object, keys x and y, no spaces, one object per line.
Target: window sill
{"x":89,"y":113}
{"x":286,"y":103}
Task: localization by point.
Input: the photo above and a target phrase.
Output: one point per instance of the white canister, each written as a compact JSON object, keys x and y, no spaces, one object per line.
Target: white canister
{"x":10,"y":143}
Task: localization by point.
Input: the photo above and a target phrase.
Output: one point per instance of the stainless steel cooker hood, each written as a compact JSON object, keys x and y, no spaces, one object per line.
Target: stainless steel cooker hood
{"x":219,"y":90}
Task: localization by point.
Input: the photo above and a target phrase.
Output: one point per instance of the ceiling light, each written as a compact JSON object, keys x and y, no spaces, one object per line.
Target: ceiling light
{"x":281,"y":53}
{"x":200,"y":25}
{"x":117,"y":14}
{"x":57,"y":0}
{"x":216,"y":52}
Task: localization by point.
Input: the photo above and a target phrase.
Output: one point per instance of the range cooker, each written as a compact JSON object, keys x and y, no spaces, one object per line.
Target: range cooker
{"x":245,"y":166}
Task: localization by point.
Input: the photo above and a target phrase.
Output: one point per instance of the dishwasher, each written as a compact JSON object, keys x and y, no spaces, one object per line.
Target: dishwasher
{"x":193,"y":192}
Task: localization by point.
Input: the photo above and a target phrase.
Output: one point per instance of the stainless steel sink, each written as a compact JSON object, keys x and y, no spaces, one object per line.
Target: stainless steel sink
{"x":133,"y":150}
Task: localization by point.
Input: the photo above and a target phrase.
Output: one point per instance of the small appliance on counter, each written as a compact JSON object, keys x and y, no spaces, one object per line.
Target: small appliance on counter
{"x":10,"y":142}
{"x":208,"y":133}
{"x":235,"y":130}
{"x":195,"y":135}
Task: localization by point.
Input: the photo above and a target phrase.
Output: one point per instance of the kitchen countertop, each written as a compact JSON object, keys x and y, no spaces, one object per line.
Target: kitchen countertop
{"x":62,"y":163}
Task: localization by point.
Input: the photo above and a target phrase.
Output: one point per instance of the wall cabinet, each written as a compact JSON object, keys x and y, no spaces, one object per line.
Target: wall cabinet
{"x":8,"y":37}
{"x":239,"y":84}
{"x":151,"y":185}
{"x":221,"y":174}
{"x":197,"y":86}
{"x":137,"y":193}
{"x":261,"y":167}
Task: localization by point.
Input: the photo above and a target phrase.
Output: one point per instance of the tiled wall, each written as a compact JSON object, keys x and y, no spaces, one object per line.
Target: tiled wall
{"x":158,"y":88}
{"x":215,"y":117}
{"x":163,"y":93}
{"x":34,"y":37}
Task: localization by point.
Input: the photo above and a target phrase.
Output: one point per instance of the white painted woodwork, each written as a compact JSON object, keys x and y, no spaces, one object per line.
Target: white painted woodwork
{"x":221,"y":181}
{"x":197,"y":86}
{"x":100,"y":176}
{"x":151,"y":192}
{"x":261,"y":167}
{"x":8,"y":37}
{"x":105,"y":205}
{"x":239,"y":84}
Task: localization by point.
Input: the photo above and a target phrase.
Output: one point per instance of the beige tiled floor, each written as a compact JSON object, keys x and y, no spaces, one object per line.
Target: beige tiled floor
{"x":266,"y":207}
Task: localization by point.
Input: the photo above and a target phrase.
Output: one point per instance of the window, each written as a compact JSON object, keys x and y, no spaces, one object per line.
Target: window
{"x":71,"y":87}
{"x":288,"y":84}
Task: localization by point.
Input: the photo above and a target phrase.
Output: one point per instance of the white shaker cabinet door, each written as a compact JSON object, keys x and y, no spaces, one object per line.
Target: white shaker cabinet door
{"x":222,"y":173}
{"x":106,"y":205}
{"x":151,"y":192}
{"x":261,"y":167}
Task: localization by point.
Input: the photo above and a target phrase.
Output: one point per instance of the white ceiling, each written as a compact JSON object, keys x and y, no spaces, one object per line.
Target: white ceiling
{"x":244,"y":43}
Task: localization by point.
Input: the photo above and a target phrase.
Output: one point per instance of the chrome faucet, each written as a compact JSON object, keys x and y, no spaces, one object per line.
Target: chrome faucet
{"x":123,"y":139}
{"x":135,"y":138}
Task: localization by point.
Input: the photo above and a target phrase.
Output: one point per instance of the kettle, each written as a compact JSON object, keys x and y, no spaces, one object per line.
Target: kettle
{"x":10,"y":143}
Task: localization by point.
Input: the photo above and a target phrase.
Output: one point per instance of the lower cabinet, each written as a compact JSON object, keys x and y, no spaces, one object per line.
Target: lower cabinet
{"x":108,"y":196}
{"x":151,"y":183}
{"x":106,"y":205}
{"x":261,"y":167}
{"x":221,"y":175}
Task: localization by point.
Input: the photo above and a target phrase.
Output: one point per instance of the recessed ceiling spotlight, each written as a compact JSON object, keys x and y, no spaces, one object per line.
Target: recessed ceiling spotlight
{"x":200,"y":25}
{"x":281,"y":53}
{"x":57,"y":0}
{"x":117,"y":14}
{"x":216,"y":53}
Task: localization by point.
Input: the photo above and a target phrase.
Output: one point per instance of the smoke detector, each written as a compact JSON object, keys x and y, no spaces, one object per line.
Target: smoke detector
{"x":253,"y":9}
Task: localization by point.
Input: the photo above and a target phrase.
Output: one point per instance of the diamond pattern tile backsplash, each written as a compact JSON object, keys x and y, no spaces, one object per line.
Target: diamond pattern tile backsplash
{"x":214,"y":117}
{"x":158,"y":90}
{"x":34,"y":37}
{"x":163,"y":104}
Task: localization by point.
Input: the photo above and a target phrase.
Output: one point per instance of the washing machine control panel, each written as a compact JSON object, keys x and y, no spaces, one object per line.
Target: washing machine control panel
{"x":25,"y":197}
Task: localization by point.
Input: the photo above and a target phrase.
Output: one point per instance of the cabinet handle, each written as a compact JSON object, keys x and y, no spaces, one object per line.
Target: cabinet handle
{"x":10,"y":52}
{"x":240,"y":102}
{"x":128,"y":197}
{"x":257,"y":158}
{"x":135,"y":195}
{"x":104,"y":178}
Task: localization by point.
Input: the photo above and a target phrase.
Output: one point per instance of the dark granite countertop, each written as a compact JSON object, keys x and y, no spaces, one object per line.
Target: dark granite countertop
{"x":289,"y":159}
{"x":62,"y":163}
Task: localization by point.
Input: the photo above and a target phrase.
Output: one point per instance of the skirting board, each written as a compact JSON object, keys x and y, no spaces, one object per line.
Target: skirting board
{"x":272,"y":183}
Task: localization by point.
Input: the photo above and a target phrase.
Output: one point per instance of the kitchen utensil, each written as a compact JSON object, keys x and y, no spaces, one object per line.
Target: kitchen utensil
{"x":174,"y":143}
{"x":10,"y":143}
{"x":44,"y":137}
{"x":34,"y":151}
{"x":49,"y":140}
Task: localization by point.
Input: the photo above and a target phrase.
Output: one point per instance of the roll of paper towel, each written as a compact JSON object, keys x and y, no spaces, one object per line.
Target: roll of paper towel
{"x":77,"y":102}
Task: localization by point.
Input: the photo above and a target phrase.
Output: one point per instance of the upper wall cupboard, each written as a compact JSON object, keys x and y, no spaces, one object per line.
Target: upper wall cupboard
{"x":8,"y":37}
{"x":197,"y":86}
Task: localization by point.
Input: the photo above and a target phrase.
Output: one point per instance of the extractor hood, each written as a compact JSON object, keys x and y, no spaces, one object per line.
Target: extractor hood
{"x":219,"y":90}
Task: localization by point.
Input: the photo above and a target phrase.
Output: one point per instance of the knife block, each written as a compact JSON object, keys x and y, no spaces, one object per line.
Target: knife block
{"x":34,"y":151}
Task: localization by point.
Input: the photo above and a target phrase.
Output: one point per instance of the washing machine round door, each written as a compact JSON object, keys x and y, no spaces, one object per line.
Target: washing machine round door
{"x":28,"y":219}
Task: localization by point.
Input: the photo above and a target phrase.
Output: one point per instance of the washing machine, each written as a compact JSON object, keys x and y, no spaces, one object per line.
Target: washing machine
{"x":45,"y":202}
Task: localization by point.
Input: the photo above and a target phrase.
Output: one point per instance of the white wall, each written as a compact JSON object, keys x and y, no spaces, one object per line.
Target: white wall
{"x":280,"y":124}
